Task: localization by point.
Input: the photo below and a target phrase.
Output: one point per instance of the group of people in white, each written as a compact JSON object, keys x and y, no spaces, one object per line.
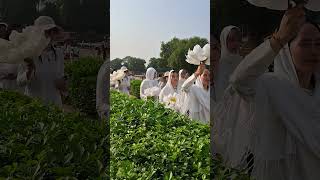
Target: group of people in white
{"x":187,"y":95}
{"x":269,"y":122}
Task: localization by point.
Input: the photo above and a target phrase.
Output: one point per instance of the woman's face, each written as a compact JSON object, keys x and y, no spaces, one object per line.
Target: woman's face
{"x":205,"y":77}
{"x":234,"y":41}
{"x":305,"y":49}
{"x":174,"y":79}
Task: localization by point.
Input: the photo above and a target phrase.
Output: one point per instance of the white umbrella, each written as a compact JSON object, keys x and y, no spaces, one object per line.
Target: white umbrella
{"x":313,"y":5}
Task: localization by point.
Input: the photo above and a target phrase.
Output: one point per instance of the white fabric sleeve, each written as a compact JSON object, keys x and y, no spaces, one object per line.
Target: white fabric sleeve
{"x":253,"y":65}
{"x":188,"y":83}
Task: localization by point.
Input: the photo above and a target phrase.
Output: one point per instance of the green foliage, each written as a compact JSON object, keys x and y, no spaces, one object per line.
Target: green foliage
{"x":158,"y":64}
{"x":134,"y":64}
{"x":116,"y":64}
{"x":149,"y":141}
{"x":82,"y":76}
{"x":41,"y":142}
{"x":135,"y":88}
{"x":220,"y":172}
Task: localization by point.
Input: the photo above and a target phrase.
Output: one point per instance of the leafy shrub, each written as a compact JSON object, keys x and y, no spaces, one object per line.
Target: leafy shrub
{"x":135,"y":88}
{"x":221,"y":172}
{"x":149,"y":141}
{"x":82,"y":76}
{"x":41,"y":142}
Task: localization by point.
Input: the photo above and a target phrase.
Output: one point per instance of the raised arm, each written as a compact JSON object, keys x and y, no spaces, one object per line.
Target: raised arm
{"x":257,"y":62}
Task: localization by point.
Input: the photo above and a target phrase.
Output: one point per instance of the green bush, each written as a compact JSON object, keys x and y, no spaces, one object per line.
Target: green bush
{"x":41,"y":142}
{"x":82,"y":76}
{"x":135,"y":88}
{"x":149,"y":141}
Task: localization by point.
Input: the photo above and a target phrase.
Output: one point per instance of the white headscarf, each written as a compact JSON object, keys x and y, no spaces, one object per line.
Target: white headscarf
{"x":168,"y":89}
{"x":180,"y":74}
{"x":228,"y":63}
{"x":151,"y":73}
{"x":149,"y":82}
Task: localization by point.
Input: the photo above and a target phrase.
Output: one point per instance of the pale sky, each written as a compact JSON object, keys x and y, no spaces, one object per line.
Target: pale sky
{"x":137,"y":27}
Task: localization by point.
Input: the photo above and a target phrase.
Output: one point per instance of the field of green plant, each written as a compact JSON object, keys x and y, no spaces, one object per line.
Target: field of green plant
{"x":149,"y":141}
{"x":42,"y":142}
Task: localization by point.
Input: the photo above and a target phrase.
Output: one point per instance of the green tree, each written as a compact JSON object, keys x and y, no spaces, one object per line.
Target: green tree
{"x":175,"y":52}
{"x":157,"y":64}
{"x":134,"y":64}
{"x":116,"y":64}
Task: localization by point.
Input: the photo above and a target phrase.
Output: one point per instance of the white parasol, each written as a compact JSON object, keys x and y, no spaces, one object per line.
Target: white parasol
{"x":313,"y":5}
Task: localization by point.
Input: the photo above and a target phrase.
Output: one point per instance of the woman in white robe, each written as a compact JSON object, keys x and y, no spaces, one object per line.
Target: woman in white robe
{"x":169,"y":95}
{"x":284,"y":128}
{"x":197,"y":102}
{"x":43,"y":77}
{"x":230,"y":40}
{"x":148,"y":82}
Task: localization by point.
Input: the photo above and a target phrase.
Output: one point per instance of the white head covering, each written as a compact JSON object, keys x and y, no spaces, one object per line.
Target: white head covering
{"x":151,"y":73}
{"x":168,"y":88}
{"x":223,"y":40}
{"x":228,"y":63}
{"x":169,"y":84}
{"x":148,"y":83}
{"x":180,"y":74}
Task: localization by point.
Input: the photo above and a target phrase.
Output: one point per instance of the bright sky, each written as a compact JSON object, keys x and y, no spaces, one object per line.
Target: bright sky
{"x":139,"y":26}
